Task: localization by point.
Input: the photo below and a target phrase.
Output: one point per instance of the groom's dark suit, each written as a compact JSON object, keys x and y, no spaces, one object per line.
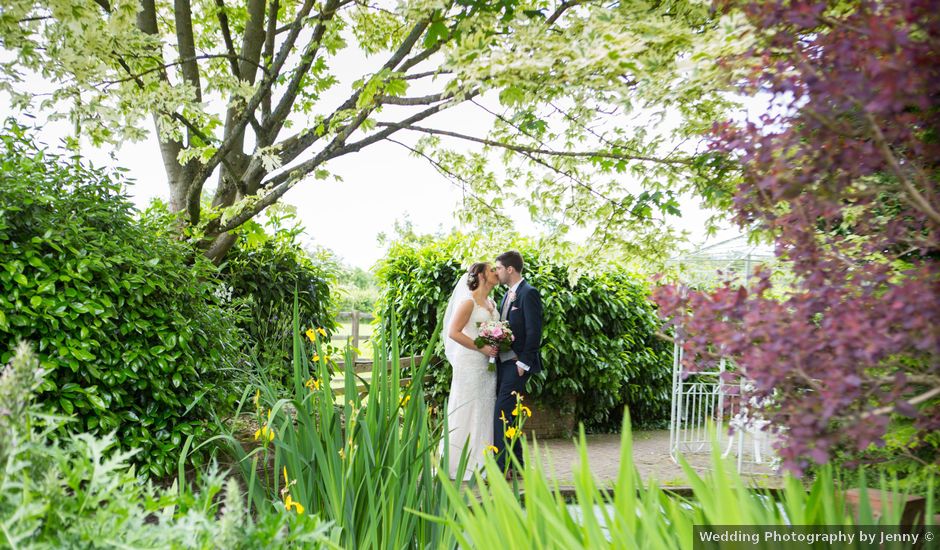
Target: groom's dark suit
{"x":524,"y":314}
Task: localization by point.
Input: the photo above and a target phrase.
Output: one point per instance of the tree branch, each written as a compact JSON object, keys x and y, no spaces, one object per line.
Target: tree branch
{"x":532,"y":150}
{"x":425,"y":74}
{"x":407,"y":44}
{"x":169,"y":149}
{"x":255,"y":100}
{"x":185,"y":39}
{"x":412,"y":101}
{"x":227,"y":37}
{"x":618,"y":205}
{"x":565,"y":6}
{"x":294,"y":145}
{"x":279,"y":115}
{"x":162,"y":68}
{"x":186,"y":44}
{"x":929,"y":394}
{"x":922,"y":379}
{"x":268,"y":56}
{"x":577,"y":181}
{"x":917,"y":200}
{"x":336,"y":148}
{"x":252,"y":40}
{"x":441,"y":169}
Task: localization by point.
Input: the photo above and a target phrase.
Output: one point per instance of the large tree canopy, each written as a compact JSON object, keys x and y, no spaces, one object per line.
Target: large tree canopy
{"x":593,"y":97}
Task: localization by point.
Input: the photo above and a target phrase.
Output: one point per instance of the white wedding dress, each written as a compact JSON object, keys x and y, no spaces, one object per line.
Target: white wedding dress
{"x":472,"y":398}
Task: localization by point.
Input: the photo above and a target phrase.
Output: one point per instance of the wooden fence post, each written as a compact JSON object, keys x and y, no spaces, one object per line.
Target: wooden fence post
{"x":355,"y":333}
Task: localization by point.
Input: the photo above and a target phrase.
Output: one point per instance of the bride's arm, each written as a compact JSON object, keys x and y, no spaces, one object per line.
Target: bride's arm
{"x":460,"y":319}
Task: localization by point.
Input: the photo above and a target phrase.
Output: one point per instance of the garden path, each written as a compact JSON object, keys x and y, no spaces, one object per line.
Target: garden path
{"x":650,"y":455}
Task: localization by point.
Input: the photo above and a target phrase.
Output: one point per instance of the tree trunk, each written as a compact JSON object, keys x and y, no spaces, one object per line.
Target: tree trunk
{"x":169,"y":149}
{"x":231,"y":188}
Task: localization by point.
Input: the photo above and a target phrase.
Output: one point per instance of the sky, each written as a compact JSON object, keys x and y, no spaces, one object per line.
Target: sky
{"x":381,"y":185}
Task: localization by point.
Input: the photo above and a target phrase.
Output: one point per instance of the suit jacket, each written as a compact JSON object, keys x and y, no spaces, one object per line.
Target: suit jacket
{"x":525,"y":321}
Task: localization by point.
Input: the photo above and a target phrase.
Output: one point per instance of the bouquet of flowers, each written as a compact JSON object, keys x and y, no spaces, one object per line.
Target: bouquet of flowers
{"x":496,"y":334}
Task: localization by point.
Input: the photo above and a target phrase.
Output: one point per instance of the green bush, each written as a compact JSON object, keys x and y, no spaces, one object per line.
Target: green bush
{"x":599,"y":346}
{"x":910,"y":455}
{"x":80,"y":491}
{"x":126,"y":320}
{"x":264,"y":268}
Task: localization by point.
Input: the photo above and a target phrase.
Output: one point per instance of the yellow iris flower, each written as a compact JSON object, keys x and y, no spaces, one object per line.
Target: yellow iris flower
{"x":520,"y":408}
{"x":512,"y":432}
{"x":289,"y":503}
{"x":313,"y":384}
{"x":490,"y":449}
{"x":264,"y":432}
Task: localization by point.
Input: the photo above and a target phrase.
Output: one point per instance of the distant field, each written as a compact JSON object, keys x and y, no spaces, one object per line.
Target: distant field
{"x":345,"y":332}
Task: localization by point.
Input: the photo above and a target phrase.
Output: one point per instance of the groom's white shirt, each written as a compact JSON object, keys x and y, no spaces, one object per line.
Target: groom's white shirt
{"x":512,"y":290}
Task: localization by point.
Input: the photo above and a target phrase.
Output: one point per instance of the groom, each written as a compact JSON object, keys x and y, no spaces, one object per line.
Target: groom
{"x":522,"y":307}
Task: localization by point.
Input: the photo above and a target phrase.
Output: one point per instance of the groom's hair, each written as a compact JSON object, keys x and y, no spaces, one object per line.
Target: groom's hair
{"x":511,"y":259}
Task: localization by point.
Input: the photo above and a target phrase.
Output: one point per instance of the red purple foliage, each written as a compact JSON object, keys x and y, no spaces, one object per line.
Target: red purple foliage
{"x":844,"y":173}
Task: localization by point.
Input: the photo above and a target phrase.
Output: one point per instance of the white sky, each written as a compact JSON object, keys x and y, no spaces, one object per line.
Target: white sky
{"x":381,"y":184}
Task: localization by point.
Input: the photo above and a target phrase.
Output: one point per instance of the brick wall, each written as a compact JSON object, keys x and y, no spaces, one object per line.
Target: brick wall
{"x":550,"y":422}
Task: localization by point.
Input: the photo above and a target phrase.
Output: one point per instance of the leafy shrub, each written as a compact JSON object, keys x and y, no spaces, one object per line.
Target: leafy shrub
{"x":265,"y":268}
{"x":80,"y":492}
{"x":598,"y":343}
{"x":908,"y":455}
{"x":125,"y":320}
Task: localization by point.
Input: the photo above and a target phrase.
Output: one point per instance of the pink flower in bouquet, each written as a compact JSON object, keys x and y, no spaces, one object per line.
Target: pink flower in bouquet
{"x":496,"y":334}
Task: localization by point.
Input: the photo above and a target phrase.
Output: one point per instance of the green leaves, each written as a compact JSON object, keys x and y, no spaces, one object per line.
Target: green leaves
{"x":114,"y":307}
{"x":83,"y":491}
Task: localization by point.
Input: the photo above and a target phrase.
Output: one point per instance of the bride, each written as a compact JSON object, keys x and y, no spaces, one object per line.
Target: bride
{"x":473,"y":387}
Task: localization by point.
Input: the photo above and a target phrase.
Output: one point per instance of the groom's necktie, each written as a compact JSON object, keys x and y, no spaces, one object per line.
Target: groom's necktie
{"x":506,"y":302}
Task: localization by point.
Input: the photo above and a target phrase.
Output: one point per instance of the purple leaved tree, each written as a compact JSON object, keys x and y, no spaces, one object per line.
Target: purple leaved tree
{"x":844,"y":174}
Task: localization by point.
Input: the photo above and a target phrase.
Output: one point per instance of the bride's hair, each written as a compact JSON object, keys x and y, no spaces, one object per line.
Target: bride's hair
{"x":473,"y":274}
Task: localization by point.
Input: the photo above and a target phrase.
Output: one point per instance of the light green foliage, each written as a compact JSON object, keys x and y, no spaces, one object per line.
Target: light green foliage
{"x":126,"y":320}
{"x":599,"y":337}
{"x":634,"y":82}
{"x":81,"y":492}
{"x":599,"y":127}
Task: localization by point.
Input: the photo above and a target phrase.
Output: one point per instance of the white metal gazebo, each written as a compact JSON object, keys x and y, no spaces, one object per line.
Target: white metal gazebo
{"x":706,"y":408}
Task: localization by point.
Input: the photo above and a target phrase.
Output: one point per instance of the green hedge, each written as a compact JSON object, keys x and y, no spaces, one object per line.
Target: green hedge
{"x":126,"y":320}
{"x":264,"y":269}
{"x":599,"y":345}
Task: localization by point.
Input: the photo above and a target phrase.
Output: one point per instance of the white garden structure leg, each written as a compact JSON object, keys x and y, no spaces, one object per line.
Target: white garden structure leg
{"x":702,"y":402}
